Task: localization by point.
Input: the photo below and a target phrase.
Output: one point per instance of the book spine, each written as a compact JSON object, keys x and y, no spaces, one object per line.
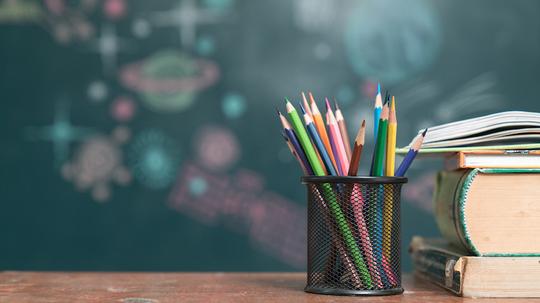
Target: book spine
{"x":449,"y":190}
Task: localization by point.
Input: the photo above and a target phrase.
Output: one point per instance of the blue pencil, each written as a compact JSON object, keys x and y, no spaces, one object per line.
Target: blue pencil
{"x":294,"y":141}
{"x":413,"y":151}
{"x":376,"y":118}
{"x":318,"y":143}
{"x":377,"y":110}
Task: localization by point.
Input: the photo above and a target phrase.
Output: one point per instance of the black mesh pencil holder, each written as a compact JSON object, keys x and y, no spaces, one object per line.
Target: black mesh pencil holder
{"x":354,"y":235}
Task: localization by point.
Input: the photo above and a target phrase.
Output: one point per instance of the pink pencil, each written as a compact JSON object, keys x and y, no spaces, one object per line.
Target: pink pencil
{"x":357,"y":201}
{"x":338,"y":141}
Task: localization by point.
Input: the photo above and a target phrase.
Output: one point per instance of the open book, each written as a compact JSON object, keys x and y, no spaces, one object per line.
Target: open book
{"x":505,"y":130}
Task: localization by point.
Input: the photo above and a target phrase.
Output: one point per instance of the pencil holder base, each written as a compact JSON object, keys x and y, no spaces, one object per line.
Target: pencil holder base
{"x":354,"y":235}
{"x":349,"y":292}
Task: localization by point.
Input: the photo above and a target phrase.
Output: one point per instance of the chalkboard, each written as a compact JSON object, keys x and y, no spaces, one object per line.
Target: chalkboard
{"x":141,"y":135}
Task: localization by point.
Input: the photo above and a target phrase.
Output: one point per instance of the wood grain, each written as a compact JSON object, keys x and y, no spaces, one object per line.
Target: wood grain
{"x":190,"y":287}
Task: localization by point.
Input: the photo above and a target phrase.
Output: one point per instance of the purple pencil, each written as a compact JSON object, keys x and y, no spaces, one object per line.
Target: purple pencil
{"x":294,"y":141}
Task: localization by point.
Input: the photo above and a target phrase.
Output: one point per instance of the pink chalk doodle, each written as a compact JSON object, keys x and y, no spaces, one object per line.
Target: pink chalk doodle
{"x":114,"y":9}
{"x":274,"y":224}
{"x":123,"y":109}
{"x":217,"y":148}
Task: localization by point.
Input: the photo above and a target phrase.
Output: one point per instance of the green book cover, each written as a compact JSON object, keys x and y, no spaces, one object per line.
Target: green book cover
{"x":450,"y":198}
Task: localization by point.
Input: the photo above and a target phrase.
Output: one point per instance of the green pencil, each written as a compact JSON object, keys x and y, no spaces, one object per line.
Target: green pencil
{"x":328,"y":194}
{"x":378,"y":160}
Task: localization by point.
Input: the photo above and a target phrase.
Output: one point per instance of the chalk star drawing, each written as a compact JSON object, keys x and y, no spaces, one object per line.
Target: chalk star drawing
{"x":61,"y":133}
{"x":99,"y":162}
{"x":154,"y":158}
{"x":108,"y":45}
{"x":187,"y":16}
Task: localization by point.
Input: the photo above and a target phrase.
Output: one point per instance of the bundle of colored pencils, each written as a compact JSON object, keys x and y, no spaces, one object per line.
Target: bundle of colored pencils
{"x":325,"y":150}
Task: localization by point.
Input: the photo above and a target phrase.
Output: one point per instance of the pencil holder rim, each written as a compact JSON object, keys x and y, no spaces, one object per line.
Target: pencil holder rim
{"x":353,"y":179}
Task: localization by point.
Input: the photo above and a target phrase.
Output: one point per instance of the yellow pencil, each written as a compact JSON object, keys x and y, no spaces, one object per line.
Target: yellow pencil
{"x":389,"y":171}
{"x":391,"y":140}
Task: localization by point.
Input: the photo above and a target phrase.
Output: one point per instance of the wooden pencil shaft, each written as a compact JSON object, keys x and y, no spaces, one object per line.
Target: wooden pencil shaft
{"x":303,"y":138}
{"x":355,"y":160}
{"x":336,"y":240}
{"x":321,"y":129}
{"x":391,"y":140}
{"x":344,"y":134}
{"x":322,"y":150}
{"x":391,"y":149}
{"x":298,"y":148}
{"x":357,"y":151}
{"x":380,"y":149}
{"x":345,"y":138}
{"x":338,"y":141}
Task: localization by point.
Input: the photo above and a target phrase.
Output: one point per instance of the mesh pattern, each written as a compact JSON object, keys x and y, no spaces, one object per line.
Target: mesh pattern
{"x":354,"y":237}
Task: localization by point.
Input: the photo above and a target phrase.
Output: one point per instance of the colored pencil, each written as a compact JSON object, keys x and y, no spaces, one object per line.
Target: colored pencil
{"x":391,"y":140}
{"x":306,"y":105}
{"x":334,"y":149}
{"x":380,"y":147}
{"x":357,"y":151}
{"x":377,"y":110}
{"x":321,"y":129}
{"x":357,"y":201}
{"x":343,"y":130}
{"x":376,"y":118}
{"x":337,"y":243}
{"x":293,"y":152}
{"x":295,"y":143}
{"x":318,"y":143}
{"x":411,"y":154}
{"x":338,"y":140}
{"x":389,"y":171}
{"x":330,"y":197}
{"x":316,"y":150}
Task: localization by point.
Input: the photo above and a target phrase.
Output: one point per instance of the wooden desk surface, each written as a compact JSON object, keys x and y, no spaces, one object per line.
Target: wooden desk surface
{"x":191,"y":287}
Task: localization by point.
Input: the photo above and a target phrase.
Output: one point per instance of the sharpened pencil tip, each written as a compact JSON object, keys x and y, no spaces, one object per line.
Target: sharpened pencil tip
{"x":328,"y":107}
{"x":424,"y":133}
{"x":364,"y":123}
{"x":302,"y":108}
{"x":336,"y":106}
{"x":379,"y":88}
{"x":278,"y":112}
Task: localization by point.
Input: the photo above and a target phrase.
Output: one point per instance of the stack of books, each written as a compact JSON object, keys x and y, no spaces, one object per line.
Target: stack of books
{"x":487,"y":207}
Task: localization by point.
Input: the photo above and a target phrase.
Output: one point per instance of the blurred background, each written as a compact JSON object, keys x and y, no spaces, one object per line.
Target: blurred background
{"x":141,"y":135}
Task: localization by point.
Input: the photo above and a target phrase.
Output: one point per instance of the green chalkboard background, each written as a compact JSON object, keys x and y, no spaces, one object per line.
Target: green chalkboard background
{"x":141,"y":135}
